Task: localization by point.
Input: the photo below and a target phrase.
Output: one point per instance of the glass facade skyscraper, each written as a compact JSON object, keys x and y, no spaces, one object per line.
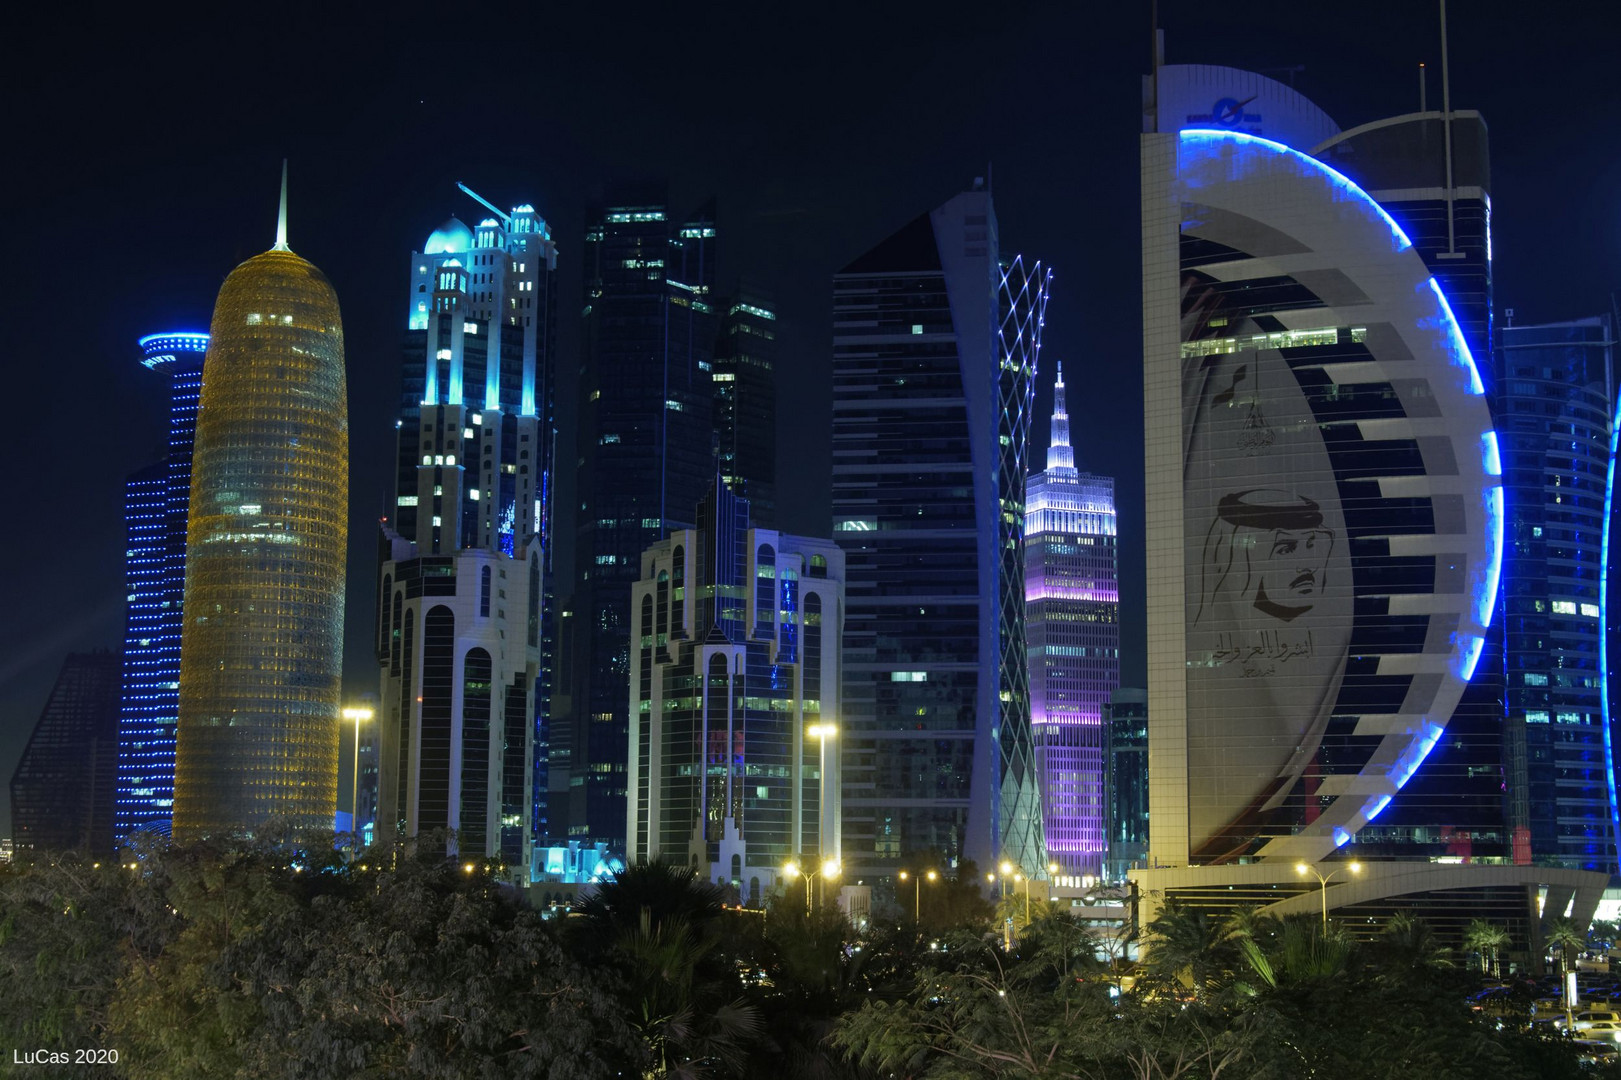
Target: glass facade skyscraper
{"x":62,"y":789}
{"x":1126,"y":715}
{"x":156,"y":502}
{"x":461,"y":585}
{"x":262,"y":649}
{"x":934,"y":349}
{"x":1072,"y":623}
{"x":646,"y":458}
{"x":746,"y":402}
{"x":734,"y":699}
{"x":1554,"y":404}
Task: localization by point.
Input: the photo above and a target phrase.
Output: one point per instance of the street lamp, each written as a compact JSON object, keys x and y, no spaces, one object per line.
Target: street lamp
{"x":1020,"y":878}
{"x":357,"y":713}
{"x":830,"y":868}
{"x":917,"y":891}
{"x":822,"y":733}
{"x":1322,"y":881}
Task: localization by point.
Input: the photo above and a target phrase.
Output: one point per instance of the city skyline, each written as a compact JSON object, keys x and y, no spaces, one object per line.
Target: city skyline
{"x":177,"y":281}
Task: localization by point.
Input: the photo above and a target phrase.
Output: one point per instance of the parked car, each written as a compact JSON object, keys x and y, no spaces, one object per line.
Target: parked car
{"x":1586,"y":1018}
{"x":1596,"y":1052}
{"x":1600,"y":1029}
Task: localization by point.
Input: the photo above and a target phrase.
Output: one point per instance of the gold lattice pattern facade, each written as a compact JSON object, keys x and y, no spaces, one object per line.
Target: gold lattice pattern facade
{"x":263,"y":641}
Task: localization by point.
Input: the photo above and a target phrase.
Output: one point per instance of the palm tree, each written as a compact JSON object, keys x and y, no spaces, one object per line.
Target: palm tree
{"x":1251,"y":921}
{"x":1563,"y":934}
{"x":1188,"y":946}
{"x":664,"y":890}
{"x":1489,"y":940}
{"x":657,"y":920}
{"x":1304,"y":952}
{"x":1410,"y":942}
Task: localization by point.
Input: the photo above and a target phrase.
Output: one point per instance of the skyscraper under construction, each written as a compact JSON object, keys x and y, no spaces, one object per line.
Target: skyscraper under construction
{"x":263,"y":639}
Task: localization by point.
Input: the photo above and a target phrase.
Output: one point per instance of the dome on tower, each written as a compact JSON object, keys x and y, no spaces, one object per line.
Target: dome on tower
{"x":450,"y":237}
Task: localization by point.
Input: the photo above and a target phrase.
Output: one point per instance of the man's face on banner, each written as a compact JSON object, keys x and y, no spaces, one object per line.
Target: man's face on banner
{"x":1289,"y":569}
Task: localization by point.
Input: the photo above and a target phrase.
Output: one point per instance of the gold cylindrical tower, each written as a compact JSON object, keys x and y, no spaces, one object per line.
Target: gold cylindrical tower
{"x":262,"y":647}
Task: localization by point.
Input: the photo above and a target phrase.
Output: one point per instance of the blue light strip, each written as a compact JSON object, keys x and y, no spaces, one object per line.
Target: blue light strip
{"x":1603,"y":639}
{"x":187,"y":340}
{"x":1460,"y":347}
{"x":1339,"y":179}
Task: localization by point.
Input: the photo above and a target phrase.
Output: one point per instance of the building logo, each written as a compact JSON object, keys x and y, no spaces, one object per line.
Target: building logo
{"x":1229,"y":113}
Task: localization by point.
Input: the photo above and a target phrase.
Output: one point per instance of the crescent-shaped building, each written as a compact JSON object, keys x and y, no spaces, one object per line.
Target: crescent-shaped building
{"x":262,"y":645}
{"x":1325,"y":521}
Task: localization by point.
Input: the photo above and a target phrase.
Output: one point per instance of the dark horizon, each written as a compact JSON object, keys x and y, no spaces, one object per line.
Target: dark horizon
{"x":154,"y":164}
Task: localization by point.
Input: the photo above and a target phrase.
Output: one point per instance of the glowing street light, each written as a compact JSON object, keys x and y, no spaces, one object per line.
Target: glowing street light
{"x":1322,"y":880}
{"x":357,"y":713}
{"x":917,"y":893}
{"x":829,"y":869}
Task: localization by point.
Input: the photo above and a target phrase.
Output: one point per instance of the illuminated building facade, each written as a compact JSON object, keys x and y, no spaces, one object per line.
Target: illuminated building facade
{"x":1325,"y":513}
{"x":934,"y":351}
{"x":62,"y":789}
{"x":262,"y":648}
{"x":462,"y":581}
{"x":734,"y":690}
{"x":156,"y":501}
{"x":1554,"y":408}
{"x":1072,"y":625}
{"x":746,"y":402}
{"x":646,"y":454}
{"x":1431,"y":172}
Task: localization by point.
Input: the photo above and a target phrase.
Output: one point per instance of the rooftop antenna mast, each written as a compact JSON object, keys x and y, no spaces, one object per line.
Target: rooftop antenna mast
{"x":1452,"y":251}
{"x":506,"y":219}
{"x":1423,"y":90}
{"x":281,"y":213}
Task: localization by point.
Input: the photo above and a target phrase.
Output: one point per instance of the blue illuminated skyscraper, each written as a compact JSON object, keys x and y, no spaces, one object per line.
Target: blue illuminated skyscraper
{"x":461,"y":584}
{"x":1554,"y":403}
{"x":155,"y":506}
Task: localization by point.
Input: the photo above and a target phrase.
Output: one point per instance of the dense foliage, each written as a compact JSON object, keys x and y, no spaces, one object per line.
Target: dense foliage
{"x":276,"y":961}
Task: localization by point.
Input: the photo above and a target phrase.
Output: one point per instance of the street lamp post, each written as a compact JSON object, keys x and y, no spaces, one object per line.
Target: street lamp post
{"x":917,"y":891}
{"x":357,"y":713}
{"x":1322,"y":880}
{"x":1019,"y":878}
{"x":830,"y":868}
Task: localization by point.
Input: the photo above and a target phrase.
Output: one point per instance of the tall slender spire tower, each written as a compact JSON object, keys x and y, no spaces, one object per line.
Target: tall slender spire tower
{"x":263,"y":639}
{"x":1072,"y":623}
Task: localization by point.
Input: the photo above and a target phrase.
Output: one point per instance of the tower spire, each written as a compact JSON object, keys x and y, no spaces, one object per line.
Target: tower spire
{"x":281,"y":215}
{"x":1059,"y":455}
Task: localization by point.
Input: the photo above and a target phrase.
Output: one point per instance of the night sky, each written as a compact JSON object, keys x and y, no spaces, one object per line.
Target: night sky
{"x":146,"y":157}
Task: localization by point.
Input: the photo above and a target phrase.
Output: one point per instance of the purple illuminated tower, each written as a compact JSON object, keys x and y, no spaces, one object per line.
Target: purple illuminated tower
{"x":1072,"y":619}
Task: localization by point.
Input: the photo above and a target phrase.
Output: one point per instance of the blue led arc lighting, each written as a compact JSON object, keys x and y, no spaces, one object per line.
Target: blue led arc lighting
{"x":1604,"y":635}
{"x":1337,"y":178}
{"x":1209,"y":140}
{"x":160,"y":349}
{"x":1460,"y":347}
